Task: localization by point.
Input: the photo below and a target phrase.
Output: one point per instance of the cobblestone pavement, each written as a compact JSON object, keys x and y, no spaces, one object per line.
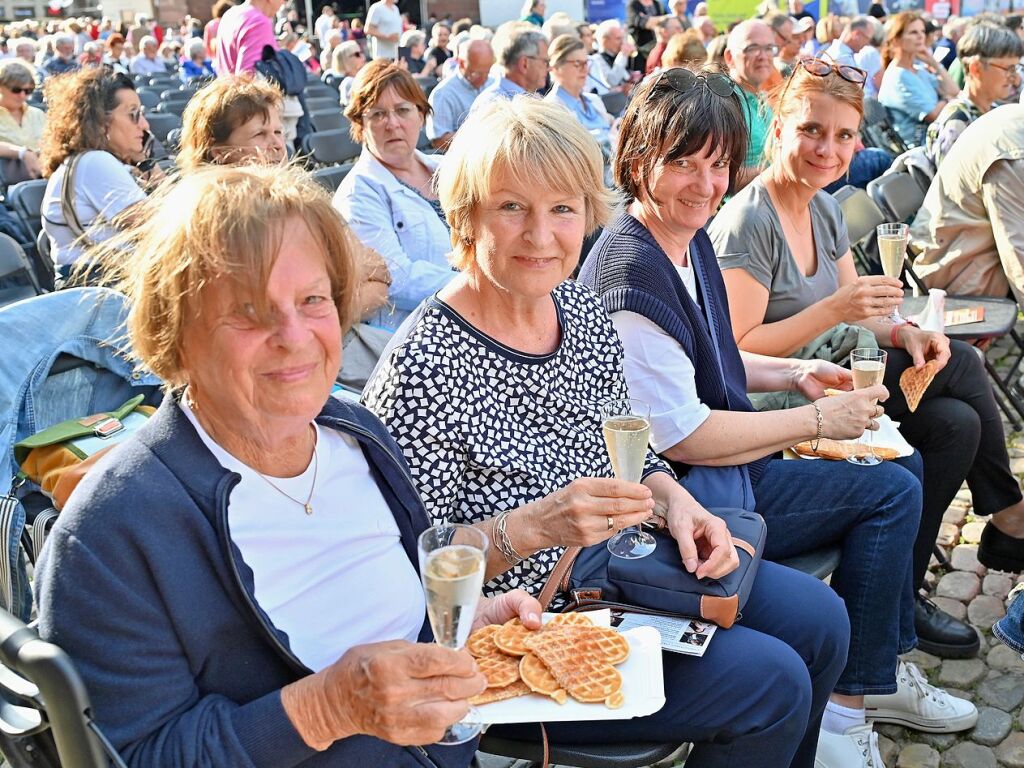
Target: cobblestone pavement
{"x":994,"y":680}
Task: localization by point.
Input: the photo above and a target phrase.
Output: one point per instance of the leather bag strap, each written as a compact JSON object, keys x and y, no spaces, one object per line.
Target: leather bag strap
{"x":558,"y":574}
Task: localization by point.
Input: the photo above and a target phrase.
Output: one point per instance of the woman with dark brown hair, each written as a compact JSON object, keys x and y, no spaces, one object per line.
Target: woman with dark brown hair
{"x":388,"y":198}
{"x":95,"y":133}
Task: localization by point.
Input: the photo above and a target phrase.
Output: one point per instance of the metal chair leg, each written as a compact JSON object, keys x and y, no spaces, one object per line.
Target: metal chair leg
{"x":1011,"y":399}
{"x":940,"y":555}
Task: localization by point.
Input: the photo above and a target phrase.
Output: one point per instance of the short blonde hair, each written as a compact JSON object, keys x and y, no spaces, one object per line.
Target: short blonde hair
{"x":537,"y":143}
{"x":685,"y":50}
{"x":214,"y":224}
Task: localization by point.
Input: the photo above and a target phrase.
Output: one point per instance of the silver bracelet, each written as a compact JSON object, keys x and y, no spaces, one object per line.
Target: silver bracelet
{"x":502,"y":541}
{"x":821,"y":427}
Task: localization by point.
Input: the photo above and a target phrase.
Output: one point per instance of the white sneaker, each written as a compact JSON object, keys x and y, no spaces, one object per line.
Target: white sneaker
{"x":857,"y":748}
{"x":920,"y":705}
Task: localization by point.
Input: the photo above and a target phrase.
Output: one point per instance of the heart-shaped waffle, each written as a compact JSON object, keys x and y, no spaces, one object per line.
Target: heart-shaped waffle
{"x":915,"y":381}
{"x":571,"y":618}
{"x":539,"y":678}
{"x":510,"y":637}
{"x":481,"y":642}
{"x":577,"y":663}
{"x":518,"y":688}
{"x":499,"y":669}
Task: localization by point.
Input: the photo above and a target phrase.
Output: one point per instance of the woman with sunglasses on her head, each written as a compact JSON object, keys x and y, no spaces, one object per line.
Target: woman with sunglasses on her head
{"x":682,"y":144}
{"x":793,"y":290}
{"x":97,"y":133}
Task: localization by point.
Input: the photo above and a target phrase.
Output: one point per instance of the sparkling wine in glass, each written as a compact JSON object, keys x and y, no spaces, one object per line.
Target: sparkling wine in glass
{"x":627,"y":426}
{"x":868,"y":367}
{"x":892,"y":245}
{"x":452,"y":558}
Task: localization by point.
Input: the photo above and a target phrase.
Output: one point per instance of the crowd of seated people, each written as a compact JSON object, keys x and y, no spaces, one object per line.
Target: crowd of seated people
{"x":450,"y":287}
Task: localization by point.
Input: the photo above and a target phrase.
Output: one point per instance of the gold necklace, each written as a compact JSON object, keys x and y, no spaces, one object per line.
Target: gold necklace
{"x":306,"y":505}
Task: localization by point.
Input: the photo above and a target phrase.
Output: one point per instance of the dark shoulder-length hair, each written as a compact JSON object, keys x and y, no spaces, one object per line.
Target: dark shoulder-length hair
{"x":80,"y":104}
{"x":663,"y":124}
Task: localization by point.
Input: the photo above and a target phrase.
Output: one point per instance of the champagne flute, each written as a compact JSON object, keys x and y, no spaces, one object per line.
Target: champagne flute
{"x":452,"y":558}
{"x":892,"y":245}
{"x":627,"y":426}
{"x":868,"y":370}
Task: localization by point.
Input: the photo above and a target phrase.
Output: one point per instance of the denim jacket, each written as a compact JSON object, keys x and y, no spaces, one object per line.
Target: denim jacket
{"x":84,"y":322}
{"x":403,"y":227}
{"x":1010,"y":628}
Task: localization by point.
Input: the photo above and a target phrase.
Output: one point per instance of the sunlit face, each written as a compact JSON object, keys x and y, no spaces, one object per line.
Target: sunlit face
{"x":688,"y":190}
{"x":354,"y":62}
{"x":537,"y":68}
{"x":997,"y":78}
{"x":274,"y":374}
{"x":528,"y":239}
{"x":913,"y":38}
{"x":672,"y":27}
{"x":13,"y":98}
{"x":127,"y":126}
{"x":817,"y":140}
{"x":149,"y":50}
{"x":477,"y":66}
{"x":613,"y":40}
{"x":258,"y":140}
{"x":391,"y":128}
{"x":587,"y":38}
{"x":753,"y":61}
{"x":571,"y":72}
{"x":443,"y":35}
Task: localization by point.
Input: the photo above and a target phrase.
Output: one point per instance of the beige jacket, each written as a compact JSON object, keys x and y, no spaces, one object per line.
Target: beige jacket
{"x":971,"y":227}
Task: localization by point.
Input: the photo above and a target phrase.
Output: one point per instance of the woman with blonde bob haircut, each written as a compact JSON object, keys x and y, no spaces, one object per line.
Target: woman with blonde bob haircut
{"x":493,"y":390}
{"x":253,"y":505}
{"x":234,"y":119}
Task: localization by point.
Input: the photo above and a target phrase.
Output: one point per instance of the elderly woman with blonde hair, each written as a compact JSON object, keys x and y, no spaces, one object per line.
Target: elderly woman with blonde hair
{"x":250,"y":553}
{"x":493,"y":391}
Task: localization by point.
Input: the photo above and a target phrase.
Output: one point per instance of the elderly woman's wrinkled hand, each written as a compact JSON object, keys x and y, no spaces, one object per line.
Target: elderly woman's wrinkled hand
{"x":587,"y":511}
{"x":508,"y":605}
{"x":845,"y":416}
{"x":404,"y":693}
{"x":704,"y":541}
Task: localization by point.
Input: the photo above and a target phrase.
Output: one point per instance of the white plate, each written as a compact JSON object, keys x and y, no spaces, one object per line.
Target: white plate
{"x":887,"y":436}
{"x":643,"y":687}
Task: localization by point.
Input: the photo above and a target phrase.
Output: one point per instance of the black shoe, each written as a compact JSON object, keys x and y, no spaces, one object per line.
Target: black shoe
{"x":1000,"y":551}
{"x":940,"y":634}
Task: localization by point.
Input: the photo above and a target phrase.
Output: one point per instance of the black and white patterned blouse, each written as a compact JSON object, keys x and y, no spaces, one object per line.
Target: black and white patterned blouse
{"x":486,"y":428}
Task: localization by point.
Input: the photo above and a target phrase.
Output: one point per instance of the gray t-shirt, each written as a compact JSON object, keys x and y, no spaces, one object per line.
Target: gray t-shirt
{"x":747,"y":234}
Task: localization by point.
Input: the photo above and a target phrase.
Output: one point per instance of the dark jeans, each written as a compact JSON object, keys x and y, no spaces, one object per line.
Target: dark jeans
{"x":867,"y":165}
{"x":959,"y":434}
{"x":755,"y":699}
{"x":872,"y":514}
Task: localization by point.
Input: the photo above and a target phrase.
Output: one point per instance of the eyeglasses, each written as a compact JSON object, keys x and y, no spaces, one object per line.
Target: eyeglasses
{"x":19,"y":91}
{"x":823,"y":68}
{"x":753,"y":50}
{"x":1012,"y":69}
{"x":684,"y":80}
{"x":136,"y":114}
{"x":403,"y":112}
{"x":581,"y":66}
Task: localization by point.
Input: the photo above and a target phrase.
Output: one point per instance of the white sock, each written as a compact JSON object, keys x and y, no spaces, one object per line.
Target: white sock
{"x":839,"y":719}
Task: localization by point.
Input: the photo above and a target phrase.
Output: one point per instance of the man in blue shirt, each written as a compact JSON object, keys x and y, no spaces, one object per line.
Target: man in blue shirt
{"x":64,"y":60}
{"x":453,"y":97}
{"x":522,"y":52}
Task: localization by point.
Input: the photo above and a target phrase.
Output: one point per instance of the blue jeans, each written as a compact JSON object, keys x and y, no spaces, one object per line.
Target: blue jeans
{"x":872,"y":513}
{"x":1010,"y":628}
{"x":755,"y":699}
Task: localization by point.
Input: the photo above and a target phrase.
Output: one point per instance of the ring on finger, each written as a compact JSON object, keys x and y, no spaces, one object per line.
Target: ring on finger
{"x":879,"y":411}
{"x":611,"y":522}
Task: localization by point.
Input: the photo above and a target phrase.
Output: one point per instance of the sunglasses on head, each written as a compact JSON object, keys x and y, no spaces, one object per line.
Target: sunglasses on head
{"x":683,"y":80}
{"x":27,"y":91}
{"x":823,"y":68}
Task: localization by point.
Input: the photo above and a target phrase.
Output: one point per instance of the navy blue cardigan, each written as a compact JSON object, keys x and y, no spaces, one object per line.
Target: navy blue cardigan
{"x":630,"y":272}
{"x":141,"y":585}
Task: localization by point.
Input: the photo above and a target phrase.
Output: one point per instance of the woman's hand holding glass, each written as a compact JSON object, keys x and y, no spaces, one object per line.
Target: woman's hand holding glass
{"x":845,"y":416}
{"x":869,"y":296}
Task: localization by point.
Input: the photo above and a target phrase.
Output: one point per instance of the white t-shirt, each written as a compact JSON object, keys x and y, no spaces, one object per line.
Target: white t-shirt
{"x":660,"y":374}
{"x":104,"y":186}
{"x":388,"y":20}
{"x":334,"y":579}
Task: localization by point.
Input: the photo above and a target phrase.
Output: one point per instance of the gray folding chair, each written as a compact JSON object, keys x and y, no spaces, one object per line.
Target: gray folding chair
{"x":322,"y":104}
{"x":162,"y":123}
{"x":331,"y":147}
{"x":331,"y":176}
{"x":26,"y":198}
{"x":328,"y":120}
{"x":615,"y":103}
{"x":17,"y":277}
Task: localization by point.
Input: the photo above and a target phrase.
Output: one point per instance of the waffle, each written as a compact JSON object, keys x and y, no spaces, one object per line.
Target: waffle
{"x":539,"y":678}
{"x":914,"y":382}
{"x":576,"y":660}
{"x":518,"y":688}
{"x":510,"y":637}
{"x":570,"y":619}
{"x":481,"y":642}
{"x":499,"y":669}
{"x":837,"y":450}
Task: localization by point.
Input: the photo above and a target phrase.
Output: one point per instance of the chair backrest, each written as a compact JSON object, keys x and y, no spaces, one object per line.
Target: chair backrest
{"x":323,"y":104}
{"x":898,"y":195}
{"x":333,"y":81}
{"x":875,"y":112}
{"x":17,"y":276}
{"x":26,"y":198}
{"x":176,"y":108}
{"x":331,"y":147}
{"x":860,"y":213}
{"x":162,"y":124}
{"x":330,"y":177}
{"x":317,"y":90}
{"x":615,"y":103}
{"x":173,"y":139}
{"x":46,"y":718}
{"x":150,"y":99}
{"x":328,"y":120}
